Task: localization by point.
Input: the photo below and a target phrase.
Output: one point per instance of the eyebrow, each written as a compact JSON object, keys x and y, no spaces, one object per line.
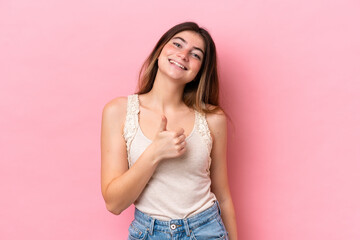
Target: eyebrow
{"x":186,"y":42}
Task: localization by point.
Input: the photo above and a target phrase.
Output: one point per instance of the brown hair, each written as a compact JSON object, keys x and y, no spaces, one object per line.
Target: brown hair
{"x":204,"y":89}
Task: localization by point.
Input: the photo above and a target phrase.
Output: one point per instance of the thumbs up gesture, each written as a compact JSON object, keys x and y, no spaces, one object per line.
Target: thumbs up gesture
{"x":163,"y":123}
{"x":168,"y":144}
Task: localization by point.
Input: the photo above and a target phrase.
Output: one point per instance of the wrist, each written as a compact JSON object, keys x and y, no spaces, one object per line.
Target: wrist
{"x":154,"y":156}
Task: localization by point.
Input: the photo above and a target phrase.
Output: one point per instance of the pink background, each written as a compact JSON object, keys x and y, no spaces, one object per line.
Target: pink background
{"x":290,"y":81}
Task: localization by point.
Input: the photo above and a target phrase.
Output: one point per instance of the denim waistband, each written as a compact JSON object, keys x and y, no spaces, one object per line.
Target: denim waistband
{"x":178,"y":225}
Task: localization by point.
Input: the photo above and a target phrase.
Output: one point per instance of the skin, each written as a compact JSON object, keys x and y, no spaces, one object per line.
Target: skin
{"x":162,"y":107}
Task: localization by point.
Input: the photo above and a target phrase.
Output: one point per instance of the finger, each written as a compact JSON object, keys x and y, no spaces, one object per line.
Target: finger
{"x":180,"y":145}
{"x":179,"y":131}
{"x":163,"y":123}
{"x":182,"y":149}
{"x":180,"y":139}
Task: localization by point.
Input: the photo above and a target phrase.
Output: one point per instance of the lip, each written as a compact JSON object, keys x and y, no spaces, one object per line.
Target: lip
{"x":178,"y":63}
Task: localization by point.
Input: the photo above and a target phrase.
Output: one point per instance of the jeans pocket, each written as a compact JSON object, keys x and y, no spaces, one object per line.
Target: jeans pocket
{"x":137,"y":232}
{"x":211,"y":230}
{"x":220,"y":221}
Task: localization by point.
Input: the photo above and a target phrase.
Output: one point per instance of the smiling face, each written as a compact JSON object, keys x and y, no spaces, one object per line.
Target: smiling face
{"x":182,"y":56}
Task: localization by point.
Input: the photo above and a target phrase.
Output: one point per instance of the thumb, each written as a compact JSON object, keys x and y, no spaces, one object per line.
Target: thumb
{"x":163,"y":123}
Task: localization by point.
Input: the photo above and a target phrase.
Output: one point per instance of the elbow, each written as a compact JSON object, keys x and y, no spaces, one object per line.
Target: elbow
{"x":113,"y":210}
{"x":111,"y":206}
{"x":115,"y":207}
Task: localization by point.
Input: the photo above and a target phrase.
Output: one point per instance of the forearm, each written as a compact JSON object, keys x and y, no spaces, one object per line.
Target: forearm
{"x":229,"y":218}
{"x":125,"y":189}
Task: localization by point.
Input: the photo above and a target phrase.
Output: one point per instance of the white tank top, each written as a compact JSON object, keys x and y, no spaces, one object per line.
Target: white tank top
{"x":179,"y":187}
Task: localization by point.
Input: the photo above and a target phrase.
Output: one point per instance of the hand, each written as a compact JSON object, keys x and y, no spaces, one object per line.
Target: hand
{"x":168,"y":144}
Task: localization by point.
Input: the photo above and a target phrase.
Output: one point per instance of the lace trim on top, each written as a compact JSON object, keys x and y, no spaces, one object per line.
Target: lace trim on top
{"x":204,"y":131}
{"x":131,"y":122}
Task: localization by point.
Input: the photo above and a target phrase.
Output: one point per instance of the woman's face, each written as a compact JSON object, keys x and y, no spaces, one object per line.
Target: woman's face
{"x":182,"y":56}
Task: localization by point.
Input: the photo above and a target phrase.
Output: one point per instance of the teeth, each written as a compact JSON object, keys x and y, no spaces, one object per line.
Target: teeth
{"x":177,"y":64}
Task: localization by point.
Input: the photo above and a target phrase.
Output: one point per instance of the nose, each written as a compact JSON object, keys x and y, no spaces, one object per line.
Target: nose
{"x":183,"y":54}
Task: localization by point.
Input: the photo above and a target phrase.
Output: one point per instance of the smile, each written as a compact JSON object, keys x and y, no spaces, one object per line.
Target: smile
{"x":178,"y":64}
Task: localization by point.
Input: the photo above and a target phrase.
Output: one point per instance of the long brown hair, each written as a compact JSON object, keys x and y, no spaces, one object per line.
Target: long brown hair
{"x":204,"y":89}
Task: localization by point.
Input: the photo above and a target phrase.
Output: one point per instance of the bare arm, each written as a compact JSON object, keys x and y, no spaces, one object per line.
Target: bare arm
{"x":219,"y":177}
{"x":123,"y":190}
{"x":120,"y":185}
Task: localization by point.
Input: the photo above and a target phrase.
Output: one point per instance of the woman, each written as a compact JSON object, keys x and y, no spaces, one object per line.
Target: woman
{"x":160,"y":152}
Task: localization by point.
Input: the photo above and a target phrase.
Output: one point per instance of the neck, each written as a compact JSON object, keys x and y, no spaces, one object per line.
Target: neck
{"x":166,"y":94}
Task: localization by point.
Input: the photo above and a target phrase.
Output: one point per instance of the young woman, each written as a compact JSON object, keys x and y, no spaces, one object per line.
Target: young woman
{"x":164,"y":147}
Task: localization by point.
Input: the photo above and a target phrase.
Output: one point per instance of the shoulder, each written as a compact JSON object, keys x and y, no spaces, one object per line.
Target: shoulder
{"x":217,"y":121}
{"x":115,"y":105}
{"x":114,"y":111}
{"x":217,"y":117}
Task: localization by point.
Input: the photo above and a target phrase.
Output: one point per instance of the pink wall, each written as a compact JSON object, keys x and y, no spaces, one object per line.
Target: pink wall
{"x":290,"y":80}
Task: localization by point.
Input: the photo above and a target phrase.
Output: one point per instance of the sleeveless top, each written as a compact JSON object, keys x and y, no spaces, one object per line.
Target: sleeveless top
{"x":179,"y":187}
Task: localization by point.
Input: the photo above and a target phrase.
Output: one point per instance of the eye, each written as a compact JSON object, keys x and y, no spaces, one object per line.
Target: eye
{"x":177,"y":44}
{"x":197,"y":56}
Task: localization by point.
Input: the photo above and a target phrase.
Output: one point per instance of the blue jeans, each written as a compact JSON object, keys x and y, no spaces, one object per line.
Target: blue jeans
{"x":204,"y":225}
